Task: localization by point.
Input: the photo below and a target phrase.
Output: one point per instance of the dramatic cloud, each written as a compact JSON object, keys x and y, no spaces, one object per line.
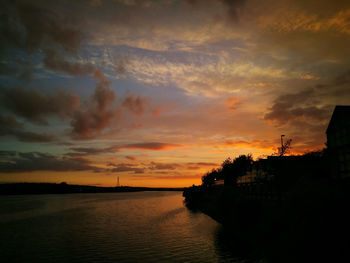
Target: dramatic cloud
{"x":291,"y":107}
{"x":305,"y":114}
{"x":153,"y":146}
{"x":307,"y":106}
{"x":29,"y":26}
{"x":36,"y":161}
{"x":10,"y":127}
{"x":88,"y":123}
{"x":32,"y":27}
{"x":298,"y":20}
{"x":36,"y":106}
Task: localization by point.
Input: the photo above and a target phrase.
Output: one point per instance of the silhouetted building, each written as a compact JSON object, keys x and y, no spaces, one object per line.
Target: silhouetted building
{"x":338,"y":141}
{"x":286,"y":170}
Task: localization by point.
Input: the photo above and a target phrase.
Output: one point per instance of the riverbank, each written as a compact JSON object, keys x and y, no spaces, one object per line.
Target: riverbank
{"x":63,"y":188}
{"x":310,"y":224}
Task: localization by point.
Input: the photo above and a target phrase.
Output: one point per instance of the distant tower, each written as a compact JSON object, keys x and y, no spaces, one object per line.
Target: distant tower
{"x":118,"y":185}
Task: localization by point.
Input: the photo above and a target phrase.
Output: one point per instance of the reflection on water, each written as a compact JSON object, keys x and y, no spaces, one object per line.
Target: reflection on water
{"x":113,"y":227}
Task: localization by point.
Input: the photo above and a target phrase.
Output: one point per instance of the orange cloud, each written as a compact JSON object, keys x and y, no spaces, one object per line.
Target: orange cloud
{"x":152,"y":146}
{"x":232,"y":102}
{"x":297,"y":20}
{"x":308,"y":76}
{"x":253,"y":144}
{"x":130,"y":157}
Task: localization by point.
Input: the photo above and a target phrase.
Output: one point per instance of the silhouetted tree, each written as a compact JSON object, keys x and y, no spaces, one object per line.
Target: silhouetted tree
{"x":284,"y":149}
{"x":236,"y":168}
{"x":227,"y":169}
{"x":230,"y":170}
{"x":210,"y":177}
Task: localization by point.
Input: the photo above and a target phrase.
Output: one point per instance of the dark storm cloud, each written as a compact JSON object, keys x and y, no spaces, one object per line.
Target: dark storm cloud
{"x":306,"y":106}
{"x":87,"y":121}
{"x":153,"y":146}
{"x":10,"y":127}
{"x":297,"y":107}
{"x":35,"y":106}
{"x":36,"y":161}
{"x":30,"y":26}
{"x":282,"y":113}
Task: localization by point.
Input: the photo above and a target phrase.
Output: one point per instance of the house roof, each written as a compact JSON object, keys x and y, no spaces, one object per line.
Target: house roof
{"x":340,"y":116}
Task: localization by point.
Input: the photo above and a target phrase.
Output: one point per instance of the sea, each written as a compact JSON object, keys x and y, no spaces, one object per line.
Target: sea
{"x":109,"y":227}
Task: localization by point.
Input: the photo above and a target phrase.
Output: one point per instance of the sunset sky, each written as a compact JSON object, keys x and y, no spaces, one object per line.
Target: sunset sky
{"x":159,"y":92}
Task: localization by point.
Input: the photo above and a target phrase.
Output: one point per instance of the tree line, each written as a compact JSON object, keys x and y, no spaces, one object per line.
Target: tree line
{"x":230,"y":170}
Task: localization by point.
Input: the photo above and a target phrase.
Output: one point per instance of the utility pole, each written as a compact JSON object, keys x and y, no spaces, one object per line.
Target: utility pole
{"x":282,"y":147}
{"x":118,"y":185}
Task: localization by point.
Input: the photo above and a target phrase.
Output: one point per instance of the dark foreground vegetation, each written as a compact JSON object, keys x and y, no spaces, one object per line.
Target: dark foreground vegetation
{"x":295,"y":211}
{"x":64,"y":188}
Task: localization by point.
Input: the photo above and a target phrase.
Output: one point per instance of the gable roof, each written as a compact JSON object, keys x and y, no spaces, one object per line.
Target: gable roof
{"x":341,"y":115}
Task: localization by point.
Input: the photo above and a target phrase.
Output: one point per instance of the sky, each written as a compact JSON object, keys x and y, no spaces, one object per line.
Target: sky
{"x":158,"y":93}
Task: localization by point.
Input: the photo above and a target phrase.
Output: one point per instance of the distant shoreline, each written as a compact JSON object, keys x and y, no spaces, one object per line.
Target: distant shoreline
{"x":63,"y":188}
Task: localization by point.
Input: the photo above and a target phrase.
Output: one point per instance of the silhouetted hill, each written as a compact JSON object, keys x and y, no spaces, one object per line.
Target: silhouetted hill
{"x":63,"y":188}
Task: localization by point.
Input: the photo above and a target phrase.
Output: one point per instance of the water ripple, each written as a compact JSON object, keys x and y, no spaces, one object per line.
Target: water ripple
{"x":119,"y":227}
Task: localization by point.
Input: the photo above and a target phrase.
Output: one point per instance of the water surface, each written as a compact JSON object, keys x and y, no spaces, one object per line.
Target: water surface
{"x":107,"y":227}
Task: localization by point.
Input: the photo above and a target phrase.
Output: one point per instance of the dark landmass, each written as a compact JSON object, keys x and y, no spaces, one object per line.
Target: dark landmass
{"x":63,"y":188}
{"x":295,"y":209}
{"x":309,"y":224}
